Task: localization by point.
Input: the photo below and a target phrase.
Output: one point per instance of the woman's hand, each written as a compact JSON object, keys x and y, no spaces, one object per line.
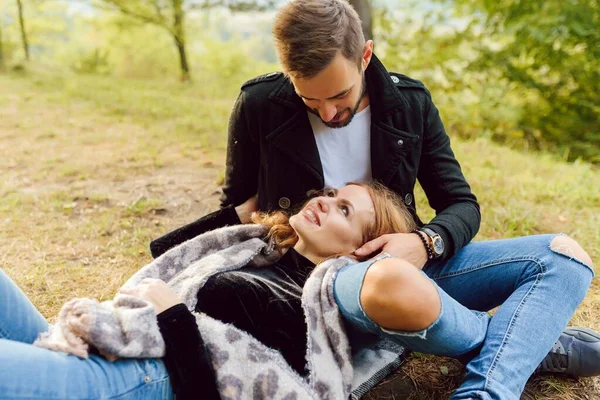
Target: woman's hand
{"x":154,"y":291}
{"x":406,"y":246}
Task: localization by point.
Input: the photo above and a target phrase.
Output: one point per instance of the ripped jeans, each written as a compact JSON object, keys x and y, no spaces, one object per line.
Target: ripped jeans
{"x":537,"y":289}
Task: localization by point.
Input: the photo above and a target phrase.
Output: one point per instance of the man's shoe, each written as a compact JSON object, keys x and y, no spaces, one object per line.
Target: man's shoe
{"x":576,"y":352}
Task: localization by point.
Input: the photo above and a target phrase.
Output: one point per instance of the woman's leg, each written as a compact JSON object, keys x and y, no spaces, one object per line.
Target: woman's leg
{"x":30,"y":372}
{"x":538,"y":282}
{"x":19,"y":319}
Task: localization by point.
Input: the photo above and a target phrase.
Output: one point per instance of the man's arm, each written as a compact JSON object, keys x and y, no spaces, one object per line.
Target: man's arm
{"x":220,"y":218}
{"x":243,"y":157}
{"x":457,"y":217}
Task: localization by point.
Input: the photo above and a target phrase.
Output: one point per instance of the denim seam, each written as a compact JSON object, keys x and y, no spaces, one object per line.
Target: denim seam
{"x":507,"y":335}
{"x":482,"y":266}
{"x":4,"y":334}
{"x":152,"y":382}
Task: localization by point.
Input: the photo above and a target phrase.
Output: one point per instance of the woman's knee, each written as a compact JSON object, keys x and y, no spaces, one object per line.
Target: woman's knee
{"x":396,"y":295}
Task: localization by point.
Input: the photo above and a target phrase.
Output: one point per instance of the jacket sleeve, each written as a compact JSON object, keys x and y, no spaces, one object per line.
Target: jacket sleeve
{"x":243,"y":156}
{"x":220,"y":218}
{"x":458,"y":216}
{"x":186,"y":359}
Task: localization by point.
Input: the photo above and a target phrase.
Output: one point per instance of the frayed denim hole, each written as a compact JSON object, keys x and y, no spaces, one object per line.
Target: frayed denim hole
{"x":566,"y":251}
{"x":362,"y":309}
{"x":422,"y":333}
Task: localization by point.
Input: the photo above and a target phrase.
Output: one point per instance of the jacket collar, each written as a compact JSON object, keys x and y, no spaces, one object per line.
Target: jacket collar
{"x":384,"y":97}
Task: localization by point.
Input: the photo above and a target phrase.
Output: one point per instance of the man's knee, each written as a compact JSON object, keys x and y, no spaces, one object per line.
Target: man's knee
{"x":396,"y":295}
{"x":570,"y":248}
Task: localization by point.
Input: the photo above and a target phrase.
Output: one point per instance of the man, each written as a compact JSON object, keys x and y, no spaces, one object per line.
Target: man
{"x":336,"y":115}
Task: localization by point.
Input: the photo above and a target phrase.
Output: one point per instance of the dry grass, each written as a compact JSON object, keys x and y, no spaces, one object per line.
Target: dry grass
{"x":93,"y":169}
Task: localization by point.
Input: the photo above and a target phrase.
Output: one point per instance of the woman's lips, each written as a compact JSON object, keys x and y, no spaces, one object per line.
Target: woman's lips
{"x":311,"y":216}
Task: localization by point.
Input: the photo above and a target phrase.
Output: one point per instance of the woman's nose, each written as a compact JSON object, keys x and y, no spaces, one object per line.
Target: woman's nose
{"x":324,"y":204}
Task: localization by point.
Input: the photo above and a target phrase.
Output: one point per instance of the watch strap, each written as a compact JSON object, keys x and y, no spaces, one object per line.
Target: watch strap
{"x":433,"y":236}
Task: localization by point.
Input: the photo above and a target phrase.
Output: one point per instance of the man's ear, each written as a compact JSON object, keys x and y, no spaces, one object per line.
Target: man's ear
{"x":367,"y":54}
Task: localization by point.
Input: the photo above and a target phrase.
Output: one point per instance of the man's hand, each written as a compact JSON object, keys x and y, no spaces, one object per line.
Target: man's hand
{"x":406,"y":246}
{"x":245,"y":210}
{"x":156,"y":292}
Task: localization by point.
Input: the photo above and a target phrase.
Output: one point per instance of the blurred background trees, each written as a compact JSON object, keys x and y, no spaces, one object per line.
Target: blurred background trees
{"x":526,"y":74}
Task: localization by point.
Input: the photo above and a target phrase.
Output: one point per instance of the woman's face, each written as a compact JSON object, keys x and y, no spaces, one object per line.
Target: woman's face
{"x":334,"y":224}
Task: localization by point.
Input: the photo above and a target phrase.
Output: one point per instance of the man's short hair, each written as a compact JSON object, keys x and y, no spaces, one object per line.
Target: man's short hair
{"x":310,"y":33}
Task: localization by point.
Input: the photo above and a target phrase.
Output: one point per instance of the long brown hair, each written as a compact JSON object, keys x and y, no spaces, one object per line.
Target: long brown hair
{"x":391,"y":216}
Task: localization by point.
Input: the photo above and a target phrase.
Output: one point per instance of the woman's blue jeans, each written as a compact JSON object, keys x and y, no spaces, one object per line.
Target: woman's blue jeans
{"x":537,"y":289}
{"x":28,"y":372}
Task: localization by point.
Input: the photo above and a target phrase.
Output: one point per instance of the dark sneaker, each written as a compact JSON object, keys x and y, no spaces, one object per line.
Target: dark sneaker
{"x":576,"y":352}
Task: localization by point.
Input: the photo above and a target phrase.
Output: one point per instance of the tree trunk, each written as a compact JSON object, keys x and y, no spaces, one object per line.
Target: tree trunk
{"x":179,"y":36}
{"x":23,"y":33}
{"x":183,"y":62}
{"x":363,"y":8}
{"x":1,"y":52}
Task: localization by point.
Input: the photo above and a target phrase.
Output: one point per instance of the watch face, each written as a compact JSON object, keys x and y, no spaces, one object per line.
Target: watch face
{"x":438,"y":245}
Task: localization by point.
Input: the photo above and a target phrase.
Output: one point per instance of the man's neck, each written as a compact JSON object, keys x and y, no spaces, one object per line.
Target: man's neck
{"x":364,"y":103}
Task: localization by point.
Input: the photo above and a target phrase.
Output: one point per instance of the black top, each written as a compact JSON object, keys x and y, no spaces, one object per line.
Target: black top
{"x":265,"y":302}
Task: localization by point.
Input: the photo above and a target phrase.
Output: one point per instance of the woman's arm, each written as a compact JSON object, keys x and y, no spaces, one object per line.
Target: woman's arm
{"x":186,"y":358}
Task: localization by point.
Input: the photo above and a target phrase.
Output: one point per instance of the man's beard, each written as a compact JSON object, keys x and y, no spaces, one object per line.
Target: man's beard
{"x":353,"y":111}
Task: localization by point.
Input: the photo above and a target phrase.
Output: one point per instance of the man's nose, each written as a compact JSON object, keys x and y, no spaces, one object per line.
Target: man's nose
{"x":327,"y":112}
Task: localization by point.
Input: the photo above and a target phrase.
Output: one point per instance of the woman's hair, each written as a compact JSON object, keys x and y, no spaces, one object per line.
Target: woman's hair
{"x":391,"y":216}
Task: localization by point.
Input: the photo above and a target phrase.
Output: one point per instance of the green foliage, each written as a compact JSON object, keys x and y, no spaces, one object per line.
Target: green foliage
{"x":520,"y":73}
{"x":432,"y":47}
{"x":551,"y":51}
{"x":95,"y":62}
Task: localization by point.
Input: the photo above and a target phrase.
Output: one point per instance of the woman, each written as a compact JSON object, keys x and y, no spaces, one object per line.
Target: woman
{"x":431,"y":311}
{"x":264,"y":302}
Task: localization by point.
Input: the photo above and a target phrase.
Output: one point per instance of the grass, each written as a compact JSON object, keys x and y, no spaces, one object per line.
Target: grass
{"x":94,"y":168}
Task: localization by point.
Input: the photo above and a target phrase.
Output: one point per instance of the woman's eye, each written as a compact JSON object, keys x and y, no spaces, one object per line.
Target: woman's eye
{"x":345,"y":210}
{"x":330,"y":193}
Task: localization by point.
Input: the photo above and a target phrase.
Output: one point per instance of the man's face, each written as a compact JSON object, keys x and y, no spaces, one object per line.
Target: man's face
{"x":337,"y":93}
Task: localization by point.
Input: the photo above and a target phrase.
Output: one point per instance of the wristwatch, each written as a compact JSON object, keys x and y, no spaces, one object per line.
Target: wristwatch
{"x":437,"y":243}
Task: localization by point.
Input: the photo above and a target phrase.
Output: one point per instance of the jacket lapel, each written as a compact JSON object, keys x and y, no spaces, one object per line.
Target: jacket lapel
{"x":388,"y":144}
{"x":295,"y":136}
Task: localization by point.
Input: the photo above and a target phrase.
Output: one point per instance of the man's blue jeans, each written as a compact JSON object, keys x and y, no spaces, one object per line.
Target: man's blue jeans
{"x":537,"y":289}
{"x":28,"y":372}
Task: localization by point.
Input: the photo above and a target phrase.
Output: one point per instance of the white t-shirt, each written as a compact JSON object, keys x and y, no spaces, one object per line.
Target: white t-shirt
{"x":345,"y":152}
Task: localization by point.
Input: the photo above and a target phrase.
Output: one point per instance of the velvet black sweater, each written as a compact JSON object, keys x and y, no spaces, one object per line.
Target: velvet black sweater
{"x":264,"y":302}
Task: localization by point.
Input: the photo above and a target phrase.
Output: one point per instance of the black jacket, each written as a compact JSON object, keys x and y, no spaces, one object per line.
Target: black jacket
{"x":272,"y":151}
